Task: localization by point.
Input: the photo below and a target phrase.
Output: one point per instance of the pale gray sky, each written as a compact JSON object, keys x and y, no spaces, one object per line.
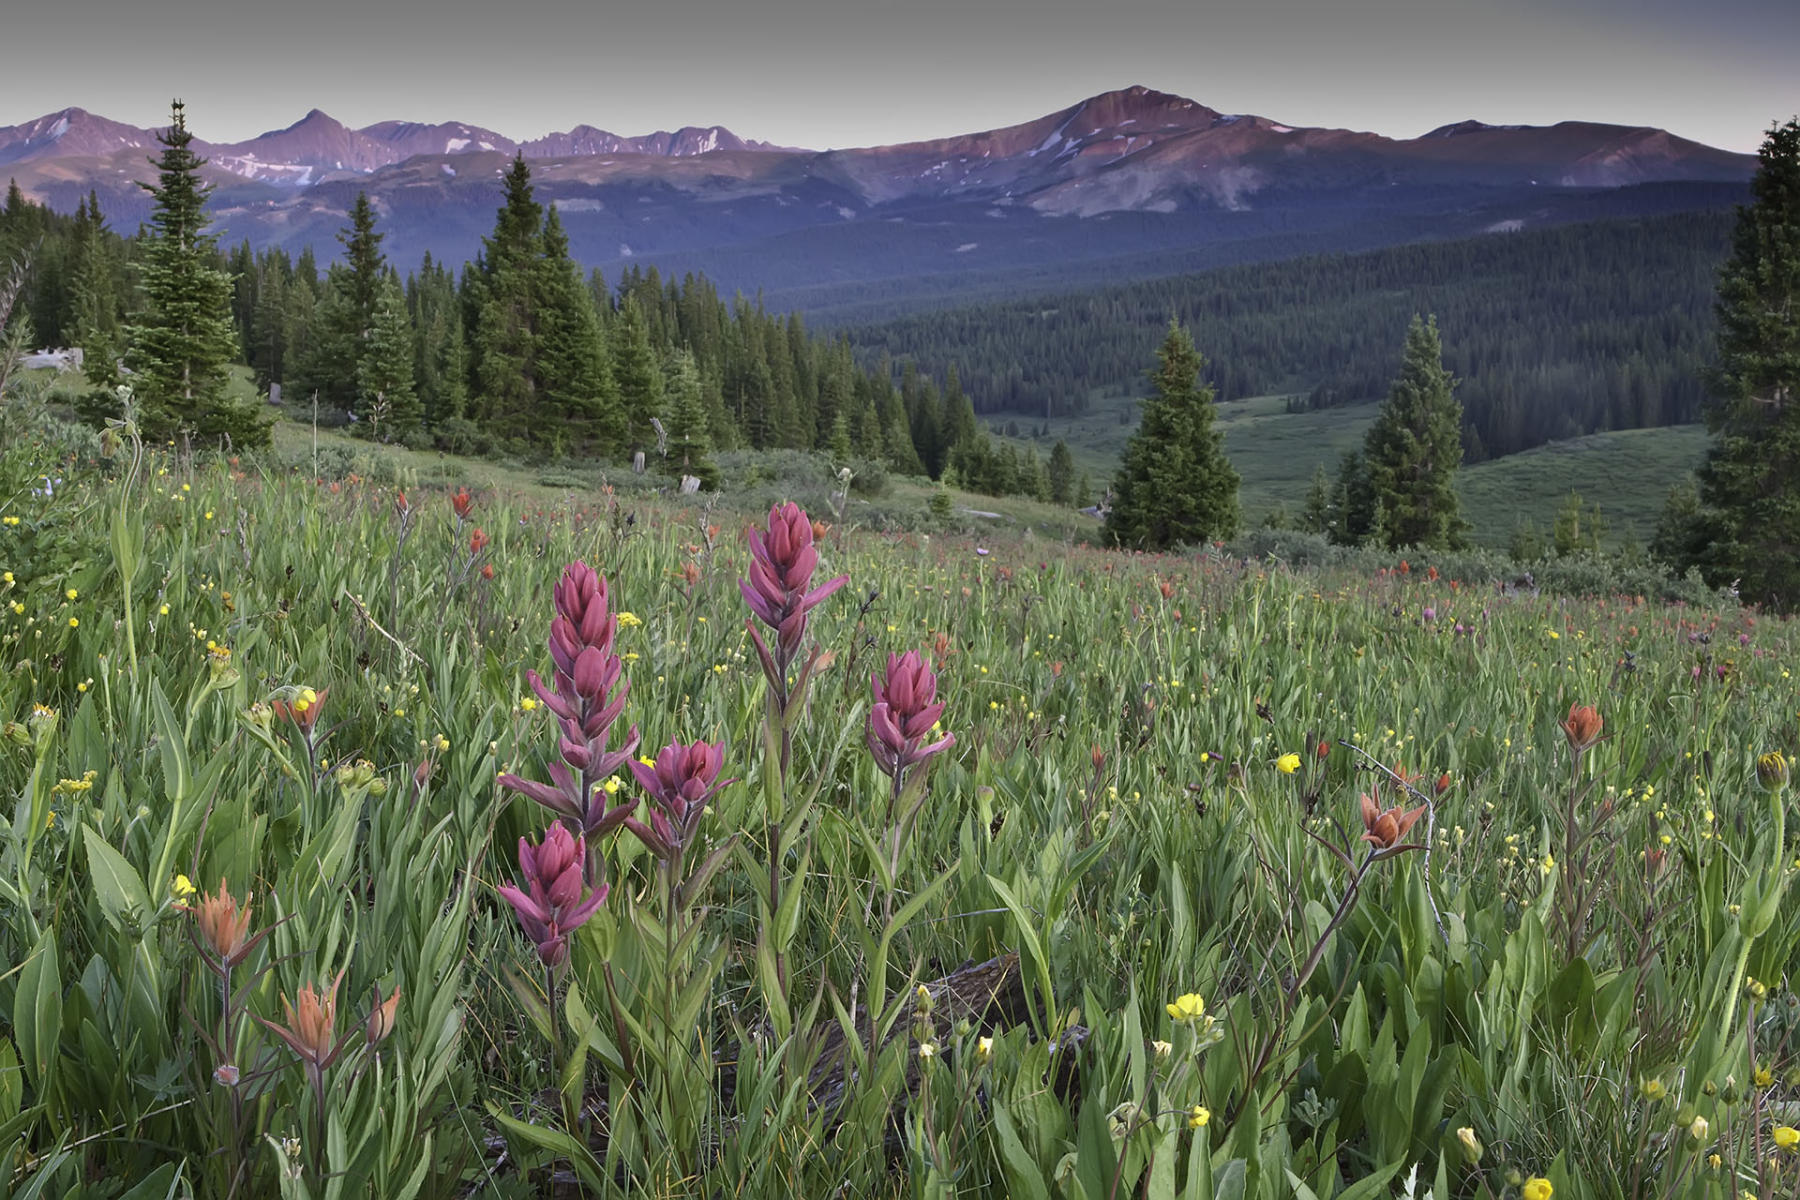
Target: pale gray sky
{"x":822,"y":74}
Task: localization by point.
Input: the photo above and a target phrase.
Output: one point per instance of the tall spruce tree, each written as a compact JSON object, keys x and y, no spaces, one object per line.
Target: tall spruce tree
{"x":96,"y":302}
{"x":579,"y":398}
{"x":507,"y":325}
{"x":1414,"y":448}
{"x":387,"y":406}
{"x":1061,"y":473}
{"x":1175,"y":484}
{"x":686,"y":422}
{"x":182,"y":341}
{"x":637,"y":375}
{"x":1750,"y":483}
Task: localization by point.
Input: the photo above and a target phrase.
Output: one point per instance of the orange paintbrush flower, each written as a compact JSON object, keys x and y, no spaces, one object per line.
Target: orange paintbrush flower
{"x":1384,"y":829}
{"x":311,"y":1029}
{"x":224,"y":925}
{"x":381,"y":1018}
{"x":303,"y":710}
{"x":1582,"y":727}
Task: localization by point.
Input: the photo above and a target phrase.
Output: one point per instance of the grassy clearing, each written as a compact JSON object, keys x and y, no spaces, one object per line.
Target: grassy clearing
{"x":1152,"y":801}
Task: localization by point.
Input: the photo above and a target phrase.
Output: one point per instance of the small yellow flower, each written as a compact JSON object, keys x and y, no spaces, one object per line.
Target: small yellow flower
{"x":1187,"y":1009}
{"x":163,"y":611}
{"x":12,"y":520}
{"x":1287,"y":764}
{"x":443,"y":743}
{"x":528,"y":704}
{"x":1198,"y":1116}
{"x":71,"y":594}
{"x":927,"y":1050}
{"x":611,"y":785}
{"x":1714,"y":1161}
{"x":628,"y":620}
{"x":1162,"y":1049}
{"x":74,"y":622}
{"x":1763,"y":1077}
{"x":182,"y":887}
{"x":1699,"y":1129}
{"x":1653,"y":1089}
{"x":1787,"y":1138}
{"x":1537,"y":1188}
{"x":984,"y":1049}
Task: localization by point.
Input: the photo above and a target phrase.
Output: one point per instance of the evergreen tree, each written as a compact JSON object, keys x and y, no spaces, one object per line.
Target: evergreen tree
{"x":637,"y":375}
{"x":1061,"y":473}
{"x":386,"y":405}
{"x":96,"y":302}
{"x":1353,"y":501}
{"x":1750,"y":483}
{"x":1315,"y":516}
{"x":1414,"y":449}
{"x":344,"y":318}
{"x":507,"y":321}
{"x":182,"y":341}
{"x":577,"y":378}
{"x":1175,"y":484}
{"x":686,"y":423}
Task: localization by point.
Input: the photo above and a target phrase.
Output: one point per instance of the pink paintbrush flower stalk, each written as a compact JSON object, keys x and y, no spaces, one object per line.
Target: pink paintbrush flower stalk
{"x":586,"y":697}
{"x":782,"y":560}
{"x":679,"y":785}
{"x":906,"y":709}
{"x":551,"y":906}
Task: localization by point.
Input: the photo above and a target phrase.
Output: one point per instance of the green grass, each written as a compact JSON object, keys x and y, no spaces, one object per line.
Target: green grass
{"x":1627,"y":473}
{"x":1119,"y":809}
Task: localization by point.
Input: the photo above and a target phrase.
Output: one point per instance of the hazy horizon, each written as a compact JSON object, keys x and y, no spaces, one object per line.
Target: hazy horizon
{"x":797,"y":73}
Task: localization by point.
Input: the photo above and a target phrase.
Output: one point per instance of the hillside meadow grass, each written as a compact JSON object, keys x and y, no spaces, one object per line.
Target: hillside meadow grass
{"x":1627,"y":473}
{"x":1549,"y":961}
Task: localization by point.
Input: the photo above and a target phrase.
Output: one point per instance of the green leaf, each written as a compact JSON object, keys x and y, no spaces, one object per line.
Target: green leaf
{"x":1023,"y":1178}
{"x":173,"y":739}
{"x":557,"y":1142}
{"x":37,"y":1011}
{"x":1034,"y":950}
{"x":117,"y":885}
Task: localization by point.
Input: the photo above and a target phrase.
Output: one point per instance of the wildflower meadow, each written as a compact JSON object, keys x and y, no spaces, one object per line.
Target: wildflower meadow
{"x":368,"y":842}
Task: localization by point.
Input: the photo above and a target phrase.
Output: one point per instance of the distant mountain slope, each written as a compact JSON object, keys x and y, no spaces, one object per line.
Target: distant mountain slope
{"x":1125,"y":176}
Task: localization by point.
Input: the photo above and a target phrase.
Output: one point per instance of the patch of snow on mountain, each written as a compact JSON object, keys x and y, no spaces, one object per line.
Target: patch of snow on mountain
{"x":625,"y":250}
{"x":1281,"y":128}
{"x":849,"y":214}
{"x":447,"y":169}
{"x":965,"y":247}
{"x":57,"y":130}
{"x":455,"y":144}
{"x":487,"y":145}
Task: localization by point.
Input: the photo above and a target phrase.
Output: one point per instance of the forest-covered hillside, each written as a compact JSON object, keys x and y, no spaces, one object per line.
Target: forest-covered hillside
{"x":1554,"y":333}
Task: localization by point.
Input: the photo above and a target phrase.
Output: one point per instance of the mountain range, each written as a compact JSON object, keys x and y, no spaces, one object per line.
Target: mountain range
{"x":1132,"y":181}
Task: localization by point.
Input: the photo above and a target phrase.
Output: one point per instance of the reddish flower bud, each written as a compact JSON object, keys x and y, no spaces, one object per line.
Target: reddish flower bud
{"x":478,"y":541}
{"x":586,"y":696}
{"x":782,"y":560}
{"x":551,"y":906}
{"x":461,"y":504}
{"x":1384,"y":829}
{"x":1582,"y":727}
{"x":679,"y":785}
{"x":487,"y":570}
{"x":905,"y":711}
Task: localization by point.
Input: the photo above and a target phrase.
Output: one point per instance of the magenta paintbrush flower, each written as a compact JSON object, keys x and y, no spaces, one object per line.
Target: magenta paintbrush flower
{"x":906,"y":709}
{"x":679,"y":785}
{"x":782,"y":559}
{"x":587,"y":696}
{"x":550,"y":907}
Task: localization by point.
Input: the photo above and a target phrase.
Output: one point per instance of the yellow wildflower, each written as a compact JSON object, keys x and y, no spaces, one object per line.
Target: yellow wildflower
{"x":1187,"y":1009}
{"x":1287,"y":764}
{"x":1787,"y":1138}
{"x":1198,"y":1116}
{"x":182,"y":887}
{"x":1537,"y":1188}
